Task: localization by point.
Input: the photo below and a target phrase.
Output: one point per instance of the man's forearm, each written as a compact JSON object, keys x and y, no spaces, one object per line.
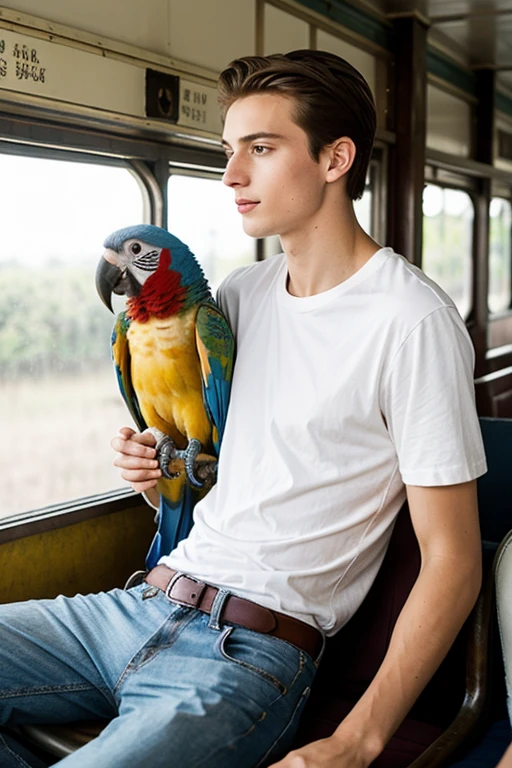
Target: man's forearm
{"x":440,"y":601}
{"x":152,"y":497}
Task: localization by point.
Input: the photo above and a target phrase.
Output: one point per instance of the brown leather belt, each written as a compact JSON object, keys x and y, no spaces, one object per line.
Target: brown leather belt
{"x":185,"y":590}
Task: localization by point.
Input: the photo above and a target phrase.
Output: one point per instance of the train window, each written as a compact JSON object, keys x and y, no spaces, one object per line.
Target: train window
{"x":363,"y":210}
{"x":203,"y":214}
{"x":365,"y":207}
{"x":59,"y":405}
{"x":447,"y":242}
{"x":500,"y":255}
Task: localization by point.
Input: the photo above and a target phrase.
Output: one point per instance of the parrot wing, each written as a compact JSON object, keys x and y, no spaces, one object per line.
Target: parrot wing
{"x":216,"y":348}
{"x":122,"y":364}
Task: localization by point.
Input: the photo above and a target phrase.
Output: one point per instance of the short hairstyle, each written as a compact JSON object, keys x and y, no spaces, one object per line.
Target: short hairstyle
{"x":331,"y":99}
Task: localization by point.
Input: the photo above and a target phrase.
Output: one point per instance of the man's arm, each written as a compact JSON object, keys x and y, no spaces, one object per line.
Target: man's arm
{"x":506,"y":760}
{"x":445,"y":520}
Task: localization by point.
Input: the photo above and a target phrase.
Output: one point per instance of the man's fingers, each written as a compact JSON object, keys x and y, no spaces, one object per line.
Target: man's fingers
{"x":140,"y":475}
{"x":134,"y":462}
{"x":133,"y":447}
{"x":127,"y":432}
{"x":144,"y":438}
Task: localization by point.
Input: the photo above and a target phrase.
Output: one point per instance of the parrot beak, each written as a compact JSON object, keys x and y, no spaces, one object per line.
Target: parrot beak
{"x":108,"y":276}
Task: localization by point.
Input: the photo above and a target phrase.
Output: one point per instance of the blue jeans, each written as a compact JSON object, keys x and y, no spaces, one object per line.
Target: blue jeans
{"x":182,"y":689}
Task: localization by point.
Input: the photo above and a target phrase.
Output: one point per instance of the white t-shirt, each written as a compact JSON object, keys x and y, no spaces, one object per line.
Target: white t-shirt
{"x":338,"y":399}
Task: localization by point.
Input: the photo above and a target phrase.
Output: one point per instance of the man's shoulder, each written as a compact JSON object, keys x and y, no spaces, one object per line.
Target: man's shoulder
{"x":245,"y":284}
{"x":253,"y":276}
{"x":409,"y":293}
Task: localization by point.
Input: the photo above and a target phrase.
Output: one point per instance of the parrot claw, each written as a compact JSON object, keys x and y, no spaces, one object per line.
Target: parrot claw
{"x":165,"y":452}
{"x":204,"y":473}
{"x":189,"y":456}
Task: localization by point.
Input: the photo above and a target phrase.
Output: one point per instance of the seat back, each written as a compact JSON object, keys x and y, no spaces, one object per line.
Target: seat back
{"x":353,"y":656}
{"x":504,"y":604}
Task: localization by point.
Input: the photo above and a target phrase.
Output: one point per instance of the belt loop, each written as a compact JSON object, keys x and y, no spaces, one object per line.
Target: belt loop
{"x":216,"y":609}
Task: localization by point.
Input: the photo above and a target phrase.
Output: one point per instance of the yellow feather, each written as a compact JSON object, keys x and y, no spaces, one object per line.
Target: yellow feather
{"x":166,"y":376}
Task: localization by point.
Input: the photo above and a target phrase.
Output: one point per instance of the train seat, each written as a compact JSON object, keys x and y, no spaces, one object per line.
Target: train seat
{"x":351,"y":659}
{"x":450,"y":706}
{"x":453,"y":706}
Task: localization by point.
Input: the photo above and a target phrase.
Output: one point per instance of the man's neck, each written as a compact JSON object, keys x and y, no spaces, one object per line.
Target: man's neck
{"x":326,"y":251}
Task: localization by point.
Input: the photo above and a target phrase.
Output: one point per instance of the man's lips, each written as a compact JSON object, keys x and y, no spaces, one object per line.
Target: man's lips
{"x":244,"y":206}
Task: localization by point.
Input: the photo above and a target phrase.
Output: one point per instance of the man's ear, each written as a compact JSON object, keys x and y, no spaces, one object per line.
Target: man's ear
{"x":341,"y":155}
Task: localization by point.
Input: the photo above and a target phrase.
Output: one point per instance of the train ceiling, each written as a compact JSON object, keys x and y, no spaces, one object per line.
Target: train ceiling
{"x":478,"y":32}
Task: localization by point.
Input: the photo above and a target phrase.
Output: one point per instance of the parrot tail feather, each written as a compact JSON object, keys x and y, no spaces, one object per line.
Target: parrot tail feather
{"x":174,"y":524}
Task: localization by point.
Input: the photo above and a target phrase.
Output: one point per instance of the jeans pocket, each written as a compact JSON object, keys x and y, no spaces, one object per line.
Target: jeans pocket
{"x":272,"y":660}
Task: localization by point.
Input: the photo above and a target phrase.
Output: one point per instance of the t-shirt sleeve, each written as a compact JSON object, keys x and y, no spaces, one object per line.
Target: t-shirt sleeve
{"x":428,"y":403}
{"x":227,"y":299}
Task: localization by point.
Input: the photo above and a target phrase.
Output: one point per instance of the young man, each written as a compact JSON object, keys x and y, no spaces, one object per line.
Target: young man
{"x":352,"y":388}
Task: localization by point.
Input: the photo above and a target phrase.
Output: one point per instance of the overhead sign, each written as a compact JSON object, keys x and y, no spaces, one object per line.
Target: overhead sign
{"x":63,"y":73}
{"x":43,"y":68}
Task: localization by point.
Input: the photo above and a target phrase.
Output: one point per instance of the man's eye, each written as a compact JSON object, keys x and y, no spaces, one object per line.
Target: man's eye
{"x":259,"y":150}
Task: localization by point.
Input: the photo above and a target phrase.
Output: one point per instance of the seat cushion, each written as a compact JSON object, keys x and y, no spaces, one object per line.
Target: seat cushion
{"x":62,"y":739}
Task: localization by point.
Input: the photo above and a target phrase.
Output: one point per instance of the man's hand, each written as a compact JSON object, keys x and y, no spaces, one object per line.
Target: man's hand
{"x":326,"y":753}
{"x":136,"y":457}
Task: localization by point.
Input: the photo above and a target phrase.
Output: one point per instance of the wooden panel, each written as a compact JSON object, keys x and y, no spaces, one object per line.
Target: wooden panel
{"x":448,"y":123}
{"x":499,"y":331}
{"x":494,"y":394}
{"x":212,"y":34}
{"x":498,"y":362}
{"x":93,"y":555}
{"x":407,"y":166}
{"x":283,"y":32}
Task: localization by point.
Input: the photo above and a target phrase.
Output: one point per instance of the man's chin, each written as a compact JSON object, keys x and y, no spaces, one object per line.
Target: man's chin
{"x":257,"y":230}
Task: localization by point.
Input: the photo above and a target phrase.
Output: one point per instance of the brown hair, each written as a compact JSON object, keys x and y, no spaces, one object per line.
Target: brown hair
{"x":331,"y":100}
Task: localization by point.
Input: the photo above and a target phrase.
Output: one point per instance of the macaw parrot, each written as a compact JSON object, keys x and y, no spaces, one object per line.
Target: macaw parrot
{"x":173,"y":353}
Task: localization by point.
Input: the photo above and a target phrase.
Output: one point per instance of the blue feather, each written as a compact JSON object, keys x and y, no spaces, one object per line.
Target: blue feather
{"x":174,"y":524}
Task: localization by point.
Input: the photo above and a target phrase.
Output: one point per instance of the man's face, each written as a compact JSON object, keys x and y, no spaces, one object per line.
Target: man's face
{"x":278,"y":186}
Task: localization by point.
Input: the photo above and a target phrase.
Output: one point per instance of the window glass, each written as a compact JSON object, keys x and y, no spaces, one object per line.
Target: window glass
{"x":203,"y":214}
{"x":59,"y":403}
{"x":363,"y":210}
{"x":447,"y":242}
{"x":500,"y":255}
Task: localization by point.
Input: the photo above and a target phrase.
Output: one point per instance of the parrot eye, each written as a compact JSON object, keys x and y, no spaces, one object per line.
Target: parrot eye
{"x":136,"y":248}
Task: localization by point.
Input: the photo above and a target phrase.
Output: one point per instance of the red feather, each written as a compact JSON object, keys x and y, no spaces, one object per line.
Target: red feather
{"x":161,"y":295}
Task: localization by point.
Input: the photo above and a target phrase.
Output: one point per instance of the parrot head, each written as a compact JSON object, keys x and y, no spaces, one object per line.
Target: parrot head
{"x":154,"y":269}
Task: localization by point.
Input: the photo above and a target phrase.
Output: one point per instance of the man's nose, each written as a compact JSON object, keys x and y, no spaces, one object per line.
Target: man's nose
{"x":235,"y":173}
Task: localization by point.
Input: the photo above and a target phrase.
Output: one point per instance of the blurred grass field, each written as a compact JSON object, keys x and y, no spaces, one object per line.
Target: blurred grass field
{"x":56,"y":436}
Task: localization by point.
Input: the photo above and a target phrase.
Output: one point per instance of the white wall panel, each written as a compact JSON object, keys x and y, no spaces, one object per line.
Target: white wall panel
{"x":143,"y":23}
{"x":448,"y":123}
{"x":361,"y":60}
{"x":283,"y":32}
{"x":211,"y":34}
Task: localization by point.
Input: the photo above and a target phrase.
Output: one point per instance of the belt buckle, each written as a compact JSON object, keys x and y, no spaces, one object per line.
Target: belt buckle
{"x":197,"y":596}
